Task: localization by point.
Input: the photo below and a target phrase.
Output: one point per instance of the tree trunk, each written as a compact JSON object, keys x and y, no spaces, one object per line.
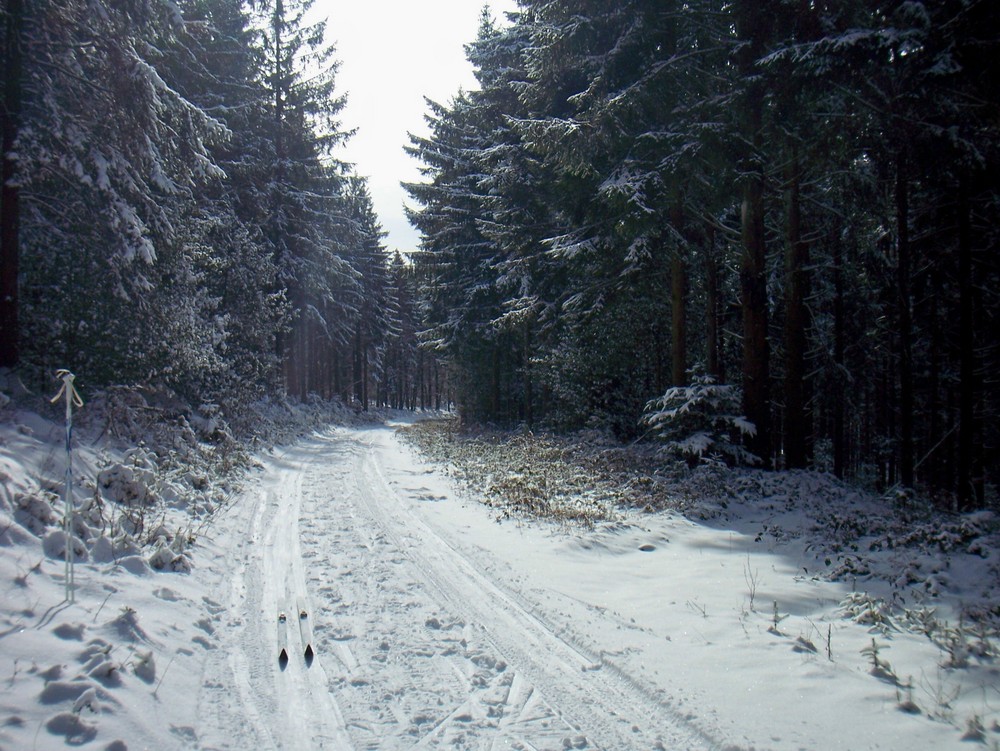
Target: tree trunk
{"x":437,"y":386}
{"x":756,"y":347}
{"x":712,"y":328}
{"x":839,"y":349}
{"x":798,"y":418}
{"x":418,"y":387}
{"x":678,"y":320}
{"x":10,"y":211}
{"x":905,"y":325}
{"x":752,"y":27}
{"x":365,"y":396}
{"x":970,"y":481}
{"x":529,"y":398}
{"x":678,"y":302}
{"x":890,"y":458}
{"x":356,"y":374}
{"x":937,"y":470}
{"x":277,"y":200}
{"x":495,"y":382}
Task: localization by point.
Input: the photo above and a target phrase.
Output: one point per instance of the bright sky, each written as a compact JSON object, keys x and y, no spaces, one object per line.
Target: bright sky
{"x":393,"y":53}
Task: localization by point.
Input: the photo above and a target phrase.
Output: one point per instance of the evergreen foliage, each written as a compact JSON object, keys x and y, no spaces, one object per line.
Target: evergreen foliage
{"x":701,"y":422}
{"x":792,"y":197}
{"x":795,"y":198}
{"x":176,"y":214}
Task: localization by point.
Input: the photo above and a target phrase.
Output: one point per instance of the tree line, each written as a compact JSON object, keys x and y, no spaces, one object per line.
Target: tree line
{"x":792,"y":197}
{"x":174,"y":211}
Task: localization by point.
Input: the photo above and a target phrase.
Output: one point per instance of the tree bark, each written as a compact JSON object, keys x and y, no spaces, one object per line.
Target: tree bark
{"x":678,"y":297}
{"x":904,"y":322}
{"x":10,"y":210}
{"x":712,"y":328}
{"x":678,"y":319}
{"x":495,"y":381}
{"x":756,"y":347}
{"x":281,"y":344}
{"x":529,"y":397}
{"x":937,"y":469}
{"x":839,"y":350}
{"x":437,"y":386}
{"x":357,"y":374}
{"x":752,"y":25}
{"x":365,"y":395}
{"x":971,"y":492}
{"x":798,"y":418}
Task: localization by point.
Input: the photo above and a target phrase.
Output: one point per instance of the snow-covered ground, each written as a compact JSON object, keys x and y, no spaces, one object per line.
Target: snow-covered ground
{"x":437,"y":626}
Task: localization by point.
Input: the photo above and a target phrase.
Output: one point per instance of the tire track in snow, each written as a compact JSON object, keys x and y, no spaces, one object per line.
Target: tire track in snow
{"x":416,"y":675}
{"x":571,"y":680}
{"x":418,"y":645}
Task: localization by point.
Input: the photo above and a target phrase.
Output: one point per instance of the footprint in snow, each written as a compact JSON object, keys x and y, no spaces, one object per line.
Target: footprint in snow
{"x":71,"y":726}
{"x":201,"y":641}
{"x":57,"y":692}
{"x":70,"y":631}
{"x":166,"y":594}
{"x":206,"y":625}
{"x":53,"y":673}
{"x":185,"y":732}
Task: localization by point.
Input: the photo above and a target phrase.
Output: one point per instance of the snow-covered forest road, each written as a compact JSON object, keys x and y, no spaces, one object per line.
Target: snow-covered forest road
{"x":437,"y":626}
{"x":424,"y":638}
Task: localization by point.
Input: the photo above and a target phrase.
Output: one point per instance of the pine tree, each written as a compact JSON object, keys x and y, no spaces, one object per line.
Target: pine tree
{"x":107,"y":150}
{"x":620,"y":159}
{"x":10,"y":212}
{"x":373,"y":319}
{"x":305,"y":226}
{"x":457,"y":261}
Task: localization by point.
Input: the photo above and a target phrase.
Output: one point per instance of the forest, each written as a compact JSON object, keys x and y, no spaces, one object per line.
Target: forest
{"x":762,"y":231}
{"x":775,"y":218}
{"x":175,"y":211}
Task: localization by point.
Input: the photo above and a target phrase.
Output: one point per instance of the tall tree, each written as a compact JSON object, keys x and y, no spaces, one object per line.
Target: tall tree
{"x":10,"y":212}
{"x":374,"y":318}
{"x":108,"y":151}
{"x":305,"y":227}
{"x":456,"y":258}
{"x":752,"y":26}
{"x":621,"y":159}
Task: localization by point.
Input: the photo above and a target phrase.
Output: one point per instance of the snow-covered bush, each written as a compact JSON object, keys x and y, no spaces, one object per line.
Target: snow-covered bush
{"x":34,"y":511}
{"x":869,"y":610}
{"x":55,"y":543}
{"x":132,"y":481}
{"x":701,"y":422}
{"x":166,"y":558}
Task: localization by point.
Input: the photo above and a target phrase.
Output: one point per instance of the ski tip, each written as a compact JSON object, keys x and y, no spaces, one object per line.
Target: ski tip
{"x":283,"y":658}
{"x":282,"y":618}
{"x":309,"y":654}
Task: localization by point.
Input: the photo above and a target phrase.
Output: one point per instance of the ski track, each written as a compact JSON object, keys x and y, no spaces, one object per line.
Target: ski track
{"x":419,"y":645}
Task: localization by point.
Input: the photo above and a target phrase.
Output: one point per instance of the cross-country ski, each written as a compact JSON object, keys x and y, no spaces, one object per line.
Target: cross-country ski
{"x":282,"y":639}
{"x":305,"y":630}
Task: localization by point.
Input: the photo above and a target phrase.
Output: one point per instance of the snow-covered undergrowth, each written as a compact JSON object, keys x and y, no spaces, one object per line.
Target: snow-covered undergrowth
{"x":149,"y":472}
{"x":911,"y":574}
{"x":521,"y":474}
{"x":150,"y":476}
{"x":764,"y":607}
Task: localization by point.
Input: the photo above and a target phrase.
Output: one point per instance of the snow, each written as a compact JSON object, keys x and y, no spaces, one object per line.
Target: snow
{"x":436,"y":625}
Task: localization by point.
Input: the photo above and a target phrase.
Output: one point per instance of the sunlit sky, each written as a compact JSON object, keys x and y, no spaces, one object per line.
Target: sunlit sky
{"x":392,"y":54}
